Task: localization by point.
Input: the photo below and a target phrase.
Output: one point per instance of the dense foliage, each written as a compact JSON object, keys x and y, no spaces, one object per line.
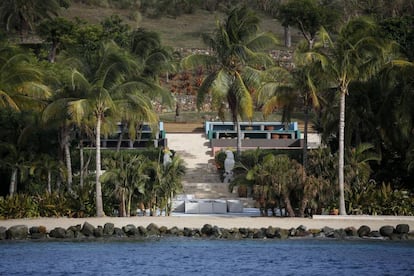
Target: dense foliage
{"x":85,"y":78}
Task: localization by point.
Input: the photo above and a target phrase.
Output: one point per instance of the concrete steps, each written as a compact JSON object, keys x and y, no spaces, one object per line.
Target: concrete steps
{"x":208,"y":190}
{"x":201,"y":179}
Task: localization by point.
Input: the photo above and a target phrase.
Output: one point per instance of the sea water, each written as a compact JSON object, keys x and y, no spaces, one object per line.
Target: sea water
{"x":186,"y":256}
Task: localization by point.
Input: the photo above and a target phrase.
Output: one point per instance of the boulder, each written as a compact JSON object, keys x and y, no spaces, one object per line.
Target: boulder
{"x":175,"y":231}
{"x":17,"y":232}
{"x":37,"y":232}
{"x":329,"y":232}
{"x":108,"y":229}
{"x":142,"y":231}
{"x":87,"y":229}
{"x":58,"y":233}
{"x":98,"y":232}
{"x":118,"y":232}
{"x":130,"y":230}
{"x":402,"y":229}
{"x":153,"y":229}
{"x":207,"y":230}
{"x":3,"y":233}
{"x":163,"y":230}
{"x":217,"y":233}
{"x":364,"y":231}
{"x":351,"y":231}
{"x":386,"y":230}
{"x":271,"y":232}
{"x":375,"y":234}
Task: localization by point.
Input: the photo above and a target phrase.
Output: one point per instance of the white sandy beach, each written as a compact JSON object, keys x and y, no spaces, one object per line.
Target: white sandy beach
{"x":181,"y":221}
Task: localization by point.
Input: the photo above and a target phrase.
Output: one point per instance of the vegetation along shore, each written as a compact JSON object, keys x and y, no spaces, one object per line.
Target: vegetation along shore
{"x":87,"y":88}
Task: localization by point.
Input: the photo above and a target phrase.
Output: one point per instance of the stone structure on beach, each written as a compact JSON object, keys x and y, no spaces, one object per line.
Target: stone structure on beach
{"x":87,"y":232}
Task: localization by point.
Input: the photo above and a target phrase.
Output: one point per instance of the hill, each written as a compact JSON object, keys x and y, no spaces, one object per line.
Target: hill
{"x":180,"y":32}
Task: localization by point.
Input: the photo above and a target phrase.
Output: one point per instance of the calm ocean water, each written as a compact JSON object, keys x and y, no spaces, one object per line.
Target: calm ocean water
{"x":182,"y":256}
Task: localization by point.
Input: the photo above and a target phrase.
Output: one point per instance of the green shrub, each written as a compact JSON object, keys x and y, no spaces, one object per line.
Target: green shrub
{"x":18,"y":206}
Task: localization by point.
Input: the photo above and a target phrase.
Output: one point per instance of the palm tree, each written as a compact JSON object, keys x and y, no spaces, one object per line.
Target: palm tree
{"x":236,"y":53}
{"x":357,"y":54}
{"x":169,"y":178}
{"x":21,"y":81}
{"x":22,"y":15}
{"x":107,"y":86}
{"x":128,"y":175}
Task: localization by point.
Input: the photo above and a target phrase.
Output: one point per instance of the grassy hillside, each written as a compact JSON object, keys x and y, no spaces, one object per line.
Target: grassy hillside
{"x":181,"y":32}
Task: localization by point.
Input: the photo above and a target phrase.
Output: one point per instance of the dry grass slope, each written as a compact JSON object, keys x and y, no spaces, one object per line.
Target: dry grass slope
{"x":181,"y":32}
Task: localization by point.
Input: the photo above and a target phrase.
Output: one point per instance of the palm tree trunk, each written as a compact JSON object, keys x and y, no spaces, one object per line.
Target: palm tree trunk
{"x":120,"y":137}
{"x":66,"y":148}
{"x":288,"y":204}
{"x":99,"y":203}
{"x":82,"y":165}
{"x":49,"y":181}
{"x":13,"y":182}
{"x":287,"y":36}
{"x":239,"y":139}
{"x":342,"y":210}
{"x":305,"y":138}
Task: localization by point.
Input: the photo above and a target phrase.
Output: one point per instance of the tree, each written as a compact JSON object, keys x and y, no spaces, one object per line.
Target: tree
{"x":169,"y":179}
{"x":278,"y":175}
{"x":237,"y":52}
{"x":21,"y":80}
{"x":106,"y":86}
{"x":357,"y":54}
{"x":56,"y":31}
{"x":128,"y":174}
{"x":22,"y":15}
{"x":309,"y":16}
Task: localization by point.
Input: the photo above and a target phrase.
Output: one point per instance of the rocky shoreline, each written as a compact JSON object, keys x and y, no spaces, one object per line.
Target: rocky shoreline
{"x":109,"y":231}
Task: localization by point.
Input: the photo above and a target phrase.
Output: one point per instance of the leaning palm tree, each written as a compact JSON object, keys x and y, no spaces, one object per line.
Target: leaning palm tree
{"x":105,"y":86}
{"x":357,"y":54}
{"x":237,"y":52}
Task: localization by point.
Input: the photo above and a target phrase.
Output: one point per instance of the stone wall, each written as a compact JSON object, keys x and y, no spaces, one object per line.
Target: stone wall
{"x":89,"y":232}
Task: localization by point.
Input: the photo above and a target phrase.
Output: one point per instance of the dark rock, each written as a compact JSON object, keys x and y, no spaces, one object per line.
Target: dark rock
{"x":163,"y":230}
{"x":271,"y":232}
{"x":175,"y":231}
{"x":98,"y":232}
{"x":142,"y":231}
{"x":328,"y":231}
{"x":402,"y":229}
{"x":187,"y":232}
{"x":258,"y":234}
{"x":217,"y":233}
{"x":3,"y":233}
{"x":339,"y":234}
{"x":364,"y":231}
{"x":37,"y":232}
{"x":374,"y":234}
{"x":207,"y":230}
{"x":351,"y":231}
{"x":244,"y":232}
{"x":70,"y":234}
{"x":153,"y":229}
{"x":387,"y":230}
{"x":87,"y":229}
{"x":17,"y":232}
{"x":108,"y":229}
{"x":302,"y":231}
{"x":130,"y":230}
{"x":284,"y":234}
{"x":118,"y":232}
{"x":58,"y":233}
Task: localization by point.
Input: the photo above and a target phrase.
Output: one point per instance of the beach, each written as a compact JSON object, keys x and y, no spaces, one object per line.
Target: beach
{"x":228,"y":221}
